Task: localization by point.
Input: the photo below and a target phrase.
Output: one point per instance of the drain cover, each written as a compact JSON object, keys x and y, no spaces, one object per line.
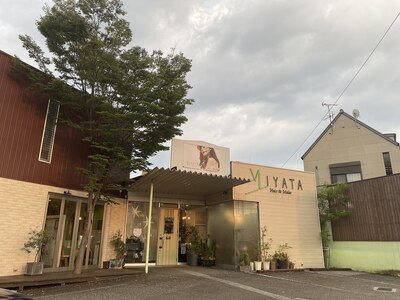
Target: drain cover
{"x":384,"y":289}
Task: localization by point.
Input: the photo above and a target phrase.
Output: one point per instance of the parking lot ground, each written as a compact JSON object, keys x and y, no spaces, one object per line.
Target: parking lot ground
{"x":185,"y":282}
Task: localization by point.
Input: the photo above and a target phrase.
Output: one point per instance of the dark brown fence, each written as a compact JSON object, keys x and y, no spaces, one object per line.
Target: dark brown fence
{"x":375,"y":211}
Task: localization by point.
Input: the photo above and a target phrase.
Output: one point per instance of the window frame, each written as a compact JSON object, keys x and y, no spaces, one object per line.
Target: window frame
{"x":53,"y":135}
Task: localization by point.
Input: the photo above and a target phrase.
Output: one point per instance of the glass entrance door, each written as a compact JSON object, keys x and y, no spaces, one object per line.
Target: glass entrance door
{"x":64,"y":223}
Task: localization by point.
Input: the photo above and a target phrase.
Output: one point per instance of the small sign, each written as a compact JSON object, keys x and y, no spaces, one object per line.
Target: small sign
{"x":137,"y":232}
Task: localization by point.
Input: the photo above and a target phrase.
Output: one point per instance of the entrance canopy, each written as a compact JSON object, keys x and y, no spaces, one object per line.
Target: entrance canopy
{"x":171,"y":181}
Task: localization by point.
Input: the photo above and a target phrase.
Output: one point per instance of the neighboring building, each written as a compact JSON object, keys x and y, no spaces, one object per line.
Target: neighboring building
{"x":39,"y":184}
{"x":353,"y":152}
{"x":349,"y":150}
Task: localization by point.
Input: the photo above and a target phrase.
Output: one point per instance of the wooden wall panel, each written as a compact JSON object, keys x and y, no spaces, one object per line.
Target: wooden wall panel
{"x":22,"y":116}
{"x":375,"y":211}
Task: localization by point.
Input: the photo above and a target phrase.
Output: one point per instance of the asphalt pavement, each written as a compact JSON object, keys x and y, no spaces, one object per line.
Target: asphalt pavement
{"x":186,"y":282}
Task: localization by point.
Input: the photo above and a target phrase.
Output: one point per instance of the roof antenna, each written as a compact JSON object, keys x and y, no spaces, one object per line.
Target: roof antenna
{"x":329,"y":114}
{"x":356,"y":114}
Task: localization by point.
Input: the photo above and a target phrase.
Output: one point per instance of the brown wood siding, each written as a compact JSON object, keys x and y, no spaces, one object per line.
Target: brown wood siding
{"x":375,"y":211}
{"x":22,"y":116}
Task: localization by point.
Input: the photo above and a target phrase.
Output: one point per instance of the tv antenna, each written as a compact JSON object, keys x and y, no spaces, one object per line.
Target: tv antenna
{"x":356,"y":113}
{"x":330,"y":113}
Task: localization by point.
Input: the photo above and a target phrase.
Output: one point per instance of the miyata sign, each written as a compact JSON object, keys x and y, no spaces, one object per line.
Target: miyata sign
{"x":200,"y":156}
{"x":274,"y":184}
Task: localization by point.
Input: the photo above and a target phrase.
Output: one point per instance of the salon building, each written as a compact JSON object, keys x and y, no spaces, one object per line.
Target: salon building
{"x":228,"y":202}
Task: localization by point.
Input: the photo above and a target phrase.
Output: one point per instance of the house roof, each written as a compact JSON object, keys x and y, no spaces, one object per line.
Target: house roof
{"x":342,"y":113}
{"x":171,"y":181}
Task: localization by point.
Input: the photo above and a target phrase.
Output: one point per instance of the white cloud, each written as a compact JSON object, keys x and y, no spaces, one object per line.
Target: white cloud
{"x":262,"y":68}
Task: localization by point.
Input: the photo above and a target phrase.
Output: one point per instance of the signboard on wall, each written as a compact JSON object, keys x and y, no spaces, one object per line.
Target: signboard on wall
{"x":198,"y":156}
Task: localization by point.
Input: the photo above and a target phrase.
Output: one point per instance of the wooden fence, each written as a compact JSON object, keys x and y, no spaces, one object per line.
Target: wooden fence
{"x":375,"y":211}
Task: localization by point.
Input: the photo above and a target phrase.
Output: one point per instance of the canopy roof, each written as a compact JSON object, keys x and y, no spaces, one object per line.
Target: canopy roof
{"x":171,"y":181}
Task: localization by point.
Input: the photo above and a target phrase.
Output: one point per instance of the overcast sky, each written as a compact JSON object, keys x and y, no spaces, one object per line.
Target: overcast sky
{"x":261,"y":69}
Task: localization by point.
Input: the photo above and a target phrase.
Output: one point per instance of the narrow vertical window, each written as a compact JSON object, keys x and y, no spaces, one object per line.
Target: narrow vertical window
{"x":49,"y":131}
{"x":388,"y":163}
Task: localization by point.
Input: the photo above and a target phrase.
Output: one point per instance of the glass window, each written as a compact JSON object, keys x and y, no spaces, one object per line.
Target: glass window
{"x":388,"y":163}
{"x":49,"y":131}
{"x":136,"y":232}
{"x":221,"y":227}
{"x":247,"y":232}
{"x":345,"y":172}
{"x":353,"y":177}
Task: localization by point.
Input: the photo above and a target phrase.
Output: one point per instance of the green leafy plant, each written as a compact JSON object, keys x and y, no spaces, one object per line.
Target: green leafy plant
{"x":332,"y":205}
{"x":194,"y":240}
{"x":281,"y":253}
{"x":37,"y":242}
{"x":265,"y":245}
{"x":208,"y":251}
{"x":244,"y":259}
{"x":118,"y":245}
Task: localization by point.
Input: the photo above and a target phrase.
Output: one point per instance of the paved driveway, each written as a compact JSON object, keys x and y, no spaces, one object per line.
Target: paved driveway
{"x":209,"y":283}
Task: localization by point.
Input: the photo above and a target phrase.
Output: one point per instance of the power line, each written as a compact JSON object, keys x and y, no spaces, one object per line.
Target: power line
{"x":346,"y":87}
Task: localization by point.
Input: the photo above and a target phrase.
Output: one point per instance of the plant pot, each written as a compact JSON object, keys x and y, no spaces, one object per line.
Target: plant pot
{"x":257,"y":265}
{"x":252,"y":266}
{"x":244,"y":268}
{"x":34,"y":268}
{"x":208,"y":262}
{"x":283,"y":264}
{"x":265,"y":265}
{"x":272,"y":265}
{"x":116,"y":264}
{"x":192,"y":259}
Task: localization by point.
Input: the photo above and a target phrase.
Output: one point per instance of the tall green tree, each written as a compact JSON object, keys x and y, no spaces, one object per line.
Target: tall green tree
{"x":125,"y":101}
{"x":333,"y":204}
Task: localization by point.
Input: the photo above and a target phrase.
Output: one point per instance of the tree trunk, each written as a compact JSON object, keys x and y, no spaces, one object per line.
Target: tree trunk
{"x":92,"y":199}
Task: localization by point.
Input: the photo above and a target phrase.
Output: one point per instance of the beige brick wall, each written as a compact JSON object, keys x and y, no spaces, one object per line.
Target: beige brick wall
{"x":22,"y":208}
{"x":290,"y":218}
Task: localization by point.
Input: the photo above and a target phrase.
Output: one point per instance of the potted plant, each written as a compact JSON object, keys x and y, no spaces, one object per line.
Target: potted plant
{"x":37,"y":242}
{"x":208,"y":254}
{"x":119,"y":249}
{"x":244,"y":262}
{"x":194,"y":244}
{"x":265,"y":247}
{"x":282,"y":257}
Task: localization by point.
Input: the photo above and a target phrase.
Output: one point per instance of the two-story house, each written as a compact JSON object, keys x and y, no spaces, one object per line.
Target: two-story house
{"x":40,"y":187}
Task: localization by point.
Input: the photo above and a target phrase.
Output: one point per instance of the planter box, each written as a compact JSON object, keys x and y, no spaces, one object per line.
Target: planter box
{"x":244,"y":268}
{"x":257,"y":265}
{"x":265,"y":265}
{"x":34,"y":268}
{"x":192,"y":259}
{"x":116,"y":264}
{"x":208,"y":262}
